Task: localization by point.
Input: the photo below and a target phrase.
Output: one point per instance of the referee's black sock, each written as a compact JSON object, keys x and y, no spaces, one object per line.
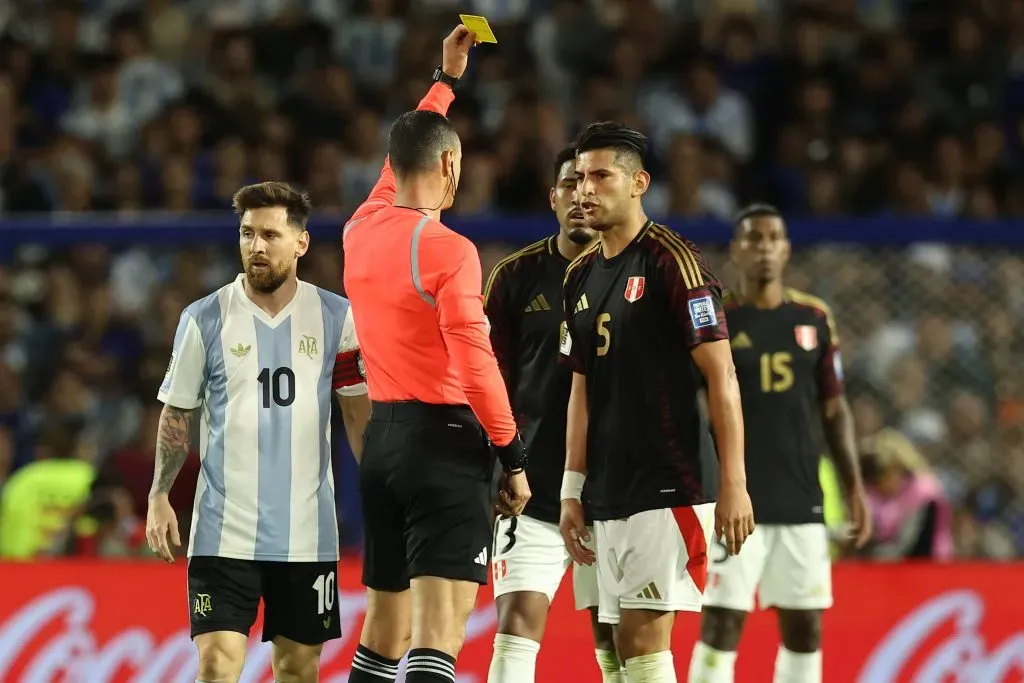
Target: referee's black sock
{"x":370,"y":667}
{"x":429,"y":666}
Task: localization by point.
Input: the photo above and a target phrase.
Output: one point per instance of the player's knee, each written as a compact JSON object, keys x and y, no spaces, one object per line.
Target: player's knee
{"x":721,"y":628}
{"x":294,"y":662}
{"x":220,"y":659}
{"x":642,"y":632}
{"x":387,"y":629}
{"x":523,"y":614}
{"x":604,"y":634}
{"x":800,"y":630}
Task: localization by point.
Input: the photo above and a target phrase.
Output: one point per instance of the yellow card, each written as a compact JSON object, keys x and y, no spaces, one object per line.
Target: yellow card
{"x":480,"y":27}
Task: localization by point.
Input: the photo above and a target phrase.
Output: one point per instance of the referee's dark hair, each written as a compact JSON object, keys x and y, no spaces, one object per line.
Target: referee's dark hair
{"x":757,"y":210}
{"x":417,"y":140}
{"x":629,"y":144}
{"x":566,"y":155}
{"x":297,"y":204}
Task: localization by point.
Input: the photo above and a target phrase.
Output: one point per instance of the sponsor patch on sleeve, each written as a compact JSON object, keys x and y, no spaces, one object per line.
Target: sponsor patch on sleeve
{"x":565,"y":344}
{"x":702,"y":312}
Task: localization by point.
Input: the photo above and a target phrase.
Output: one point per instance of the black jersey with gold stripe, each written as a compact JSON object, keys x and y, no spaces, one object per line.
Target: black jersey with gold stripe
{"x":631,"y":323}
{"x":788,"y":363}
{"x":523,"y":302}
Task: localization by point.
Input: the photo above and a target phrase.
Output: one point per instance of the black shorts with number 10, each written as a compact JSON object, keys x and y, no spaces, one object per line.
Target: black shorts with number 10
{"x":300,"y":599}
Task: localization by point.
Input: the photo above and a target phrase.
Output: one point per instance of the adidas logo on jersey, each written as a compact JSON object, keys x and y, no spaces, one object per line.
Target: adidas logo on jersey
{"x":649,"y":593}
{"x":539,"y":303}
{"x":481,"y":559}
{"x":742,"y":341}
{"x":241,"y":351}
{"x":581,"y":305}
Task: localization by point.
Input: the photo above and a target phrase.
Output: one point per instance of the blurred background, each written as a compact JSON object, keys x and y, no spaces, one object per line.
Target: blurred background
{"x":126,"y":126}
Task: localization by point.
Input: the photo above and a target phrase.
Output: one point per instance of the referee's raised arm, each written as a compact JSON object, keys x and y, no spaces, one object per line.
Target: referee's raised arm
{"x":439,"y":400}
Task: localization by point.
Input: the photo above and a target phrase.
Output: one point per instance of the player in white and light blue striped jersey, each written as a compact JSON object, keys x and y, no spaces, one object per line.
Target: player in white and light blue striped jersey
{"x":259,"y":359}
{"x":266,"y":489}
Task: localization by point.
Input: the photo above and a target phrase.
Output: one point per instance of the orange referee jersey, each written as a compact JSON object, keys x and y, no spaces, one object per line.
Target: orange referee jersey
{"x":414,"y":286}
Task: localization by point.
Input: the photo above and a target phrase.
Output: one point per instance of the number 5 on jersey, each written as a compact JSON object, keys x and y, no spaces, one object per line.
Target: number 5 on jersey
{"x":604,"y":333}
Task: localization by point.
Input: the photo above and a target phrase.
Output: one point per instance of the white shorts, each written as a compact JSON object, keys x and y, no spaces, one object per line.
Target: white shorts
{"x":529,"y":555}
{"x":654,"y":560}
{"x":787,"y":564}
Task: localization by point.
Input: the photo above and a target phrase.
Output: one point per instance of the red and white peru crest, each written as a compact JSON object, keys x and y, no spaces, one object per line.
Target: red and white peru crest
{"x":634,"y":288}
{"x":806,"y":337}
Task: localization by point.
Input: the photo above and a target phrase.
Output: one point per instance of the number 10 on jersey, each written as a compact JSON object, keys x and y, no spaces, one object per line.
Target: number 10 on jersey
{"x":277,"y":386}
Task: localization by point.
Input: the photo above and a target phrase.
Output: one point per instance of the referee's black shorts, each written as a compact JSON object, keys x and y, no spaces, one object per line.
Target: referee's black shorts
{"x":425,"y":481}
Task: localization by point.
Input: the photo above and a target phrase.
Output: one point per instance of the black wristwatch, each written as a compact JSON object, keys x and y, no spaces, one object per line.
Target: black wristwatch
{"x":441,"y":77}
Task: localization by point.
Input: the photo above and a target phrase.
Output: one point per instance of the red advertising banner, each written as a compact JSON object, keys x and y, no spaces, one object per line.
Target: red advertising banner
{"x":101,"y":622}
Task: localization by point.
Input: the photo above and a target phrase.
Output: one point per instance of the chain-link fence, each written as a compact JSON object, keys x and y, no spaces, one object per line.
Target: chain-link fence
{"x":932,"y":347}
{"x":930,"y":335}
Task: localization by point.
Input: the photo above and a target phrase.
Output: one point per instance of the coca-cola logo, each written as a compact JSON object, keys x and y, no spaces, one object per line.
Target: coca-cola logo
{"x":963,"y":657}
{"x":74,"y":654}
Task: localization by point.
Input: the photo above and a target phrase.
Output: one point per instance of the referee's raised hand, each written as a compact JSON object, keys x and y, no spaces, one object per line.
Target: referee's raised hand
{"x":455,"y":51}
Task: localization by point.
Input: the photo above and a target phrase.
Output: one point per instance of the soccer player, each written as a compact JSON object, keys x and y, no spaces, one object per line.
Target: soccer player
{"x":258,"y":359}
{"x":645,"y":334}
{"x":439,"y":402}
{"x":523,"y":302}
{"x":786,"y":350}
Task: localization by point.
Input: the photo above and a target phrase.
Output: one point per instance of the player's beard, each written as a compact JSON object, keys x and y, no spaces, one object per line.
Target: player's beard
{"x":266,"y":279}
{"x":580,"y":236}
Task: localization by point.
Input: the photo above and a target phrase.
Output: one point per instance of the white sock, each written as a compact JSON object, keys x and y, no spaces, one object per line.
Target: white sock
{"x":653,"y":668}
{"x":611,"y":668}
{"x":708,"y":665}
{"x":514,"y":659}
{"x":797,"y":667}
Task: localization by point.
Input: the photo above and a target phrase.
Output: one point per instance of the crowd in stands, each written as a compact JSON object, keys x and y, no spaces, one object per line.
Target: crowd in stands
{"x":826,"y":108}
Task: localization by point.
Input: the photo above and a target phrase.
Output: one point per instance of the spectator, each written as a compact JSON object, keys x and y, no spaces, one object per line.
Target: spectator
{"x":911,"y":515}
{"x":40,"y":499}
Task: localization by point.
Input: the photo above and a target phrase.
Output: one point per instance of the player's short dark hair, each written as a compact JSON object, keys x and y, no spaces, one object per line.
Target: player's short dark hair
{"x":758,"y":210}
{"x":297,"y":204}
{"x":417,"y":140}
{"x":567,"y":154}
{"x":630,"y":145}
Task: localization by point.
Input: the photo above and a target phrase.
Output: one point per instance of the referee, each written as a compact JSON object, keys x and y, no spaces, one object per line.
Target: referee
{"x":426,"y":470}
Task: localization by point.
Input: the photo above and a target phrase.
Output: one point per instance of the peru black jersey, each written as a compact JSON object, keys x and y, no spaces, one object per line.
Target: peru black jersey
{"x":631,"y":323}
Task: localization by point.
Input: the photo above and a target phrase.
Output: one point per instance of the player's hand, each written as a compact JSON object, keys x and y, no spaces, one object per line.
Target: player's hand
{"x":513,"y":494}
{"x":860,"y":518}
{"x":574,"y":532}
{"x":734,"y":516}
{"x":455,"y":51}
{"x":162,"y":527}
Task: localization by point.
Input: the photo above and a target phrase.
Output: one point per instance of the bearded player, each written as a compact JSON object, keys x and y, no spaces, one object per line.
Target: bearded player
{"x":523,"y":303}
{"x":786,"y":350}
{"x":257,"y":362}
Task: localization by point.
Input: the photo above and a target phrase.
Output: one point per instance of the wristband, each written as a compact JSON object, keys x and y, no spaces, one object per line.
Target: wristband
{"x":441,"y":77}
{"x":512,"y":455}
{"x":572,"y":485}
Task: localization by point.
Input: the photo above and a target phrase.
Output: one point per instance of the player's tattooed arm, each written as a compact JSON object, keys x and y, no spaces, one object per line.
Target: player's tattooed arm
{"x":173,"y":443}
{"x":837,"y":421}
